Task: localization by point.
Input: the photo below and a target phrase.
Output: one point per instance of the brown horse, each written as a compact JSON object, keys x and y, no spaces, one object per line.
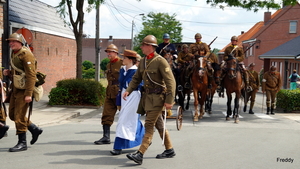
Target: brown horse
{"x":233,"y":83}
{"x":200,"y":84}
{"x":215,"y":83}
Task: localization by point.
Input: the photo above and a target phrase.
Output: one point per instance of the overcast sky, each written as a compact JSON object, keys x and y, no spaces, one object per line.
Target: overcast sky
{"x":196,"y":17}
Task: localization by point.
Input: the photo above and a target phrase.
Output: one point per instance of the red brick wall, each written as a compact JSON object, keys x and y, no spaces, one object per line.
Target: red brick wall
{"x":56,"y":57}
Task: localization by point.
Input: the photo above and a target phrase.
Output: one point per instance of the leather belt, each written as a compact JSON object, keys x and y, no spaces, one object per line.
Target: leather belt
{"x":152,"y":90}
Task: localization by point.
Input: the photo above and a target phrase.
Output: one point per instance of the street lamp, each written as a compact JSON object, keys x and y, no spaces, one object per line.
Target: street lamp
{"x":132,"y":29}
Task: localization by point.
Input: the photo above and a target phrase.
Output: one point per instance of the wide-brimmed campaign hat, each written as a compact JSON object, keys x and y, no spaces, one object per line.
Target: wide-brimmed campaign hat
{"x":130,"y":53}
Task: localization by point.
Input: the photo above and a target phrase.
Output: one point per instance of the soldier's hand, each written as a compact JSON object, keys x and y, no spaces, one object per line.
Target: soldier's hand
{"x":168,"y":106}
{"x":28,"y":99}
{"x":6,"y":72}
{"x":125,"y":94}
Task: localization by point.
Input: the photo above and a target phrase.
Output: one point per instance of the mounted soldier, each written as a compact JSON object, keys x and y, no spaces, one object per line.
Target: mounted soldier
{"x":167,"y":50}
{"x":234,"y":51}
{"x":202,"y":49}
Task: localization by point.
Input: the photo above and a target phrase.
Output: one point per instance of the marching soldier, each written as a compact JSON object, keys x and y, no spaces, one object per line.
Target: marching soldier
{"x":3,"y":126}
{"x":110,"y":108}
{"x":159,"y":92}
{"x":237,"y":52}
{"x":271,"y":84}
{"x":254,"y":79}
{"x":201,"y":49}
{"x":22,"y":58}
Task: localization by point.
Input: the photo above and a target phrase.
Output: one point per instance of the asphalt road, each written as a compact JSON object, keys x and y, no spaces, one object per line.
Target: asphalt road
{"x":257,"y":141}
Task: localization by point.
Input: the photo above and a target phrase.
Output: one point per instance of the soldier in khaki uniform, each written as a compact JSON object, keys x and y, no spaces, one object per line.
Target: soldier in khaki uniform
{"x":3,"y":126}
{"x":159,"y":92}
{"x":271,"y":84}
{"x":254,"y":82}
{"x":185,"y":61}
{"x":110,"y":108}
{"x":23,"y":59}
{"x":201,"y":49}
{"x":237,"y":52}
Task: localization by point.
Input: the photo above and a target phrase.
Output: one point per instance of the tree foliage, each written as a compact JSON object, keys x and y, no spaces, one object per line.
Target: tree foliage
{"x":103,"y":64}
{"x":87,"y":64}
{"x":254,"y":5}
{"x":157,"y":24}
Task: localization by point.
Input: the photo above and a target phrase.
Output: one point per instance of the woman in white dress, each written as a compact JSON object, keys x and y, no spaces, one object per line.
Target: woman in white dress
{"x":130,"y":130}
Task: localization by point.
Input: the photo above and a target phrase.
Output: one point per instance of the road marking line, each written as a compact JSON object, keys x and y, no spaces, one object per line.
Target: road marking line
{"x":263,"y":116}
{"x":53,"y":109}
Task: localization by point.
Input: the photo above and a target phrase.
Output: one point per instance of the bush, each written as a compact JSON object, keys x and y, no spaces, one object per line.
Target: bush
{"x":77,"y":92}
{"x":288,"y":100}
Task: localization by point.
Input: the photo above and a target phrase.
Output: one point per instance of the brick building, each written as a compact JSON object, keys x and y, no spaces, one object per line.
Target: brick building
{"x":275,"y":30}
{"x":53,"y":42}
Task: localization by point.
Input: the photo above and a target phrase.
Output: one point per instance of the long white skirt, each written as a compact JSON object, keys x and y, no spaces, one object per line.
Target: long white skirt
{"x":128,"y":118}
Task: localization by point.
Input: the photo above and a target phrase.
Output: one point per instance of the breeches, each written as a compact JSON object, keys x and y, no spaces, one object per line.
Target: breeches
{"x":271,"y":98}
{"x":18,"y":109}
{"x":109,"y":111}
{"x":2,"y":114}
{"x":154,"y":118}
{"x":252,"y":99}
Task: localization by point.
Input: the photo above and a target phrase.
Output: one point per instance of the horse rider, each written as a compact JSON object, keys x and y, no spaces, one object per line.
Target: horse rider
{"x":254,"y":82}
{"x":110,"y":107}
{"x":158,"y":94}
{"x":185,"y":61}
{"x":167,"y":48}
{"x":201,"y":49}
{"x":237,"y":52}
{"x":271,"y":84}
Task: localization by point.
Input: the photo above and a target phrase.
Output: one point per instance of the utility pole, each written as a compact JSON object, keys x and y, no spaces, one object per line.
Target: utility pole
{"x":97,"y":46}
{"x":131,"y":47}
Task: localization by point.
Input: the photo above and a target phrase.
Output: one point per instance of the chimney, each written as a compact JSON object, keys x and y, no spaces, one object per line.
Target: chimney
{"x":267,"y":17}
{"x":242,"y":32}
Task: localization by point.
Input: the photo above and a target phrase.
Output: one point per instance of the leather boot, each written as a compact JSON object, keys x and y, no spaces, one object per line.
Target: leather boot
{"x":136,"y":157}
{"x":251,"y":111}
{"x":35,"y":131}
{"x":3,"y":129}
{"x":21,"y":145}
{"x":106,"y":136}
{"x":268,"y":110}
{"x":167,"y":154}
{"x":272,"y":111}
{"x":116,"y":152}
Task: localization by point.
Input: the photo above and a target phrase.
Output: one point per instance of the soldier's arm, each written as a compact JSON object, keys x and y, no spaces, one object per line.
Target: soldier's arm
{"x":169,"y":80}
{"x":207,"y":50}
{"x":241,"y":55}
{"x":136,"y":80}
{"x":29,"y":62}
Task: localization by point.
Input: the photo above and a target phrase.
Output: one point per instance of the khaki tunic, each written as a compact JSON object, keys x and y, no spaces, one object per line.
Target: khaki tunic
{"x":184,"y":57}
{"x":254,"y":79}
{"x":161,"y":73}
{"x":199,"y":49}
{"x":110,"y":107}
{"x":212,"y":58}
{"x":237,"y":53}
{"x":271,"y":82}
{"x":25,"y":61}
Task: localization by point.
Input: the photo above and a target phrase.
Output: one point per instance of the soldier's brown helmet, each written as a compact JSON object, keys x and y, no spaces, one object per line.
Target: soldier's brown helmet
{"x":198,"y":35}
{"x":234,"y":38}
{"x":272,"y":68}
{"x":150,"y":40}
{"x":185,"y":46}
{"x":16,"y":37}
{"x":112,"y":48}
{"x":251,"y":64}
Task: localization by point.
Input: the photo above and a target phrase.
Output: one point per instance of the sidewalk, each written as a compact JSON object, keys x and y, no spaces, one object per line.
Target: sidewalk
{"x":43,"y":114}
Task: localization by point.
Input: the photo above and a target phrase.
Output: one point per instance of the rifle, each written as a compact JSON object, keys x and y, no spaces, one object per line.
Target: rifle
{"x":212,"y":41}
{"x":249,"y":47}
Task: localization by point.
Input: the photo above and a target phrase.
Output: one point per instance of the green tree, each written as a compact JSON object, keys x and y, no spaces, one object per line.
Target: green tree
{"x":87,"y":64}
{"x":254,"y":5}
{"x":65,"y":9}
{"x":157,"y":24}
{"x":103,"y":64}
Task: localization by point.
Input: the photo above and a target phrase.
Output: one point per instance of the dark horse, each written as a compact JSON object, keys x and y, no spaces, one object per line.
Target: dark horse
{"x":233,"y":83}
{"x":183,"y":90}
{"x":200,"y":84}
{"x":215,"y":83}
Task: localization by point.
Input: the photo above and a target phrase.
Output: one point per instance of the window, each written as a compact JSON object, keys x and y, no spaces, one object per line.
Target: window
{"x":293,"y":26}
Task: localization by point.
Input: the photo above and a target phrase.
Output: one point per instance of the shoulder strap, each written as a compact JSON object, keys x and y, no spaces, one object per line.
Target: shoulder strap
{"x":15,"y":68}
{"x":164,"y":48}
{"x":148,"y":73}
